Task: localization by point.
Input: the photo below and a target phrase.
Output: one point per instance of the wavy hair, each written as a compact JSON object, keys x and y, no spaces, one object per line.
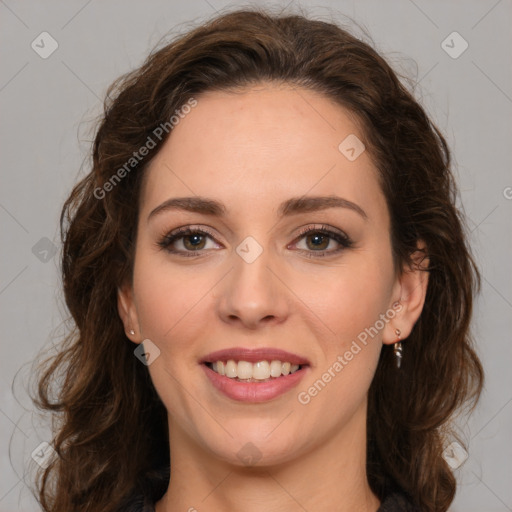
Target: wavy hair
{"x":111,"y":433}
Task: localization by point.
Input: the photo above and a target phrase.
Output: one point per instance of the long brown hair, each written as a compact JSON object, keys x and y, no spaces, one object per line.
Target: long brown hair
{"x":111,"y":434}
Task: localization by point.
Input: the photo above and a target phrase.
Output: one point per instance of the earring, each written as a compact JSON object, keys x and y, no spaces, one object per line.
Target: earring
{"x":397,"y":349}
{"x":132,"y":332}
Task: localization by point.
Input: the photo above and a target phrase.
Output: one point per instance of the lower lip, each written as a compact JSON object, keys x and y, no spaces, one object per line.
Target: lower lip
{"x":254,"y":391}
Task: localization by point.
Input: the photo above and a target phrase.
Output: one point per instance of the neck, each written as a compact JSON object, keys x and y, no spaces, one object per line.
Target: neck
{"x":327,"y":477}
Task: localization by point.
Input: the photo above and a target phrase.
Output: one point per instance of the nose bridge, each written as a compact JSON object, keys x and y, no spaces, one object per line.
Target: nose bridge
{"x":251,"y":294}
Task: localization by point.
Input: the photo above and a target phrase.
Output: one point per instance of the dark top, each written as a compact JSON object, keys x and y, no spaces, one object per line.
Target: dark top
{"x":395,"y":502}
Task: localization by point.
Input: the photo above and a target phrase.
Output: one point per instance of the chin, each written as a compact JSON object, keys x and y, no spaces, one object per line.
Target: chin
{"x":257,"y":446}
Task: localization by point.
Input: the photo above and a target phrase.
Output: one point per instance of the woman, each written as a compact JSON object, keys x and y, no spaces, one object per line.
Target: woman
{"x":271,"y":285}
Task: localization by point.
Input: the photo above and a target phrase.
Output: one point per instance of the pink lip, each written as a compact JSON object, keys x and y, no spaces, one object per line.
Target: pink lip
{"x":254,"y":355}
{"x":254,"y":392}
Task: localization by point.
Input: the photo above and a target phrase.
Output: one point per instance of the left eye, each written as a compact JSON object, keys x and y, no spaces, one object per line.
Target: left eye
{"x":319,"y":240}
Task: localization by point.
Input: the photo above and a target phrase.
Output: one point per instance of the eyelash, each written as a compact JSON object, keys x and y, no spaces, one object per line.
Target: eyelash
{"x":341,"y":238}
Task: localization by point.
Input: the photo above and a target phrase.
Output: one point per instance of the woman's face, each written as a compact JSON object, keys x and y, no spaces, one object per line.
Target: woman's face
{"x":256,"y":167}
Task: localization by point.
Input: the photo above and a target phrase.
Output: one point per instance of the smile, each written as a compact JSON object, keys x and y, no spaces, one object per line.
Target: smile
{"x":261,"y":371}
{"x":254,"y":375}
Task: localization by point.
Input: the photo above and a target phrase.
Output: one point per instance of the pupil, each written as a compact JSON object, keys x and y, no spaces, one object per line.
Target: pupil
{"x":193,"y":241}
{"x":317,"y":240}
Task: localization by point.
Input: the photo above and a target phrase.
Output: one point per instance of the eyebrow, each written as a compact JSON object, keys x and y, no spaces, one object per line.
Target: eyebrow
{"x":293,"y":206}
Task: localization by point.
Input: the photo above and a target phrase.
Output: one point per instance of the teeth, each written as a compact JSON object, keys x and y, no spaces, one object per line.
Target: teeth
{"x":231,"y":369}
{"x":243,"y":370}
{"x":262,"y":370}
{"x":276,"y":368}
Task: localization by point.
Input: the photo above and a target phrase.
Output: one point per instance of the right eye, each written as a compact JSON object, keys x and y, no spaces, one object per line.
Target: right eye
{"x":186,"y":241}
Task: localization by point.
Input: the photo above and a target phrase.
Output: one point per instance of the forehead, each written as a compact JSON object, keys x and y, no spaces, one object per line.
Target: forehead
{"x":261,"y":145}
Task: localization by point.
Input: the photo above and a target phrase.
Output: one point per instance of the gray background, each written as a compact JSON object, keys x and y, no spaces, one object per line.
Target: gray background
{"x":47,"y":106}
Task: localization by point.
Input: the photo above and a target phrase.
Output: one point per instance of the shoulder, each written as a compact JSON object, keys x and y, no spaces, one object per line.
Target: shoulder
{"x":397,"y":502}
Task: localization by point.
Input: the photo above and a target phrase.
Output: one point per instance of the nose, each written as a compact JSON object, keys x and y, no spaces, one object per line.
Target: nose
{"x":251,"y":296}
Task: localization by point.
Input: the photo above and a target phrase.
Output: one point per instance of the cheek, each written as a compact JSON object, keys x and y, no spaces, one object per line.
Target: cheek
{"x":351,"y":307}
{"x":167,"y":298}
{"x":351,"y":299}
{"x":170,"y":307}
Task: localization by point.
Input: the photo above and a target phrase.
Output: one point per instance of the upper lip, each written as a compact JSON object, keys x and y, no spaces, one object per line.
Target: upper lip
{"x":254,"y":355}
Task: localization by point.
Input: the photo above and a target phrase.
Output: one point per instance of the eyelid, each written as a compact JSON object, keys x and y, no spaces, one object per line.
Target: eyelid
{"x":323,"y":227}
{"x":179,"y":233}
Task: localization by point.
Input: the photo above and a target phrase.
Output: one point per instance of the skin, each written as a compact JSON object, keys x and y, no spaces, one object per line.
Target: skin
{"x":252,"y":150}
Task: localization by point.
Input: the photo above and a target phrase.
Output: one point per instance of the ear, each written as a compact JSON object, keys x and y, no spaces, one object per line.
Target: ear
{"x":128,"y":312}
{"x":410,"y":292}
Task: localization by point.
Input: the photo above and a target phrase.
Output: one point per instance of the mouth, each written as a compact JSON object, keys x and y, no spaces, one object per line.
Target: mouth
{"x":254,"y":375}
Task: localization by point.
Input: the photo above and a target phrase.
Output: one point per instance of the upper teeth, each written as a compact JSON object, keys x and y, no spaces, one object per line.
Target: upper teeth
{"x":260,"y":371}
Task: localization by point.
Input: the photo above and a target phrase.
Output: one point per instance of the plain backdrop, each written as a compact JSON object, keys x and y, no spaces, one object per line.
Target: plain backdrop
{"x":48,"y":101}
